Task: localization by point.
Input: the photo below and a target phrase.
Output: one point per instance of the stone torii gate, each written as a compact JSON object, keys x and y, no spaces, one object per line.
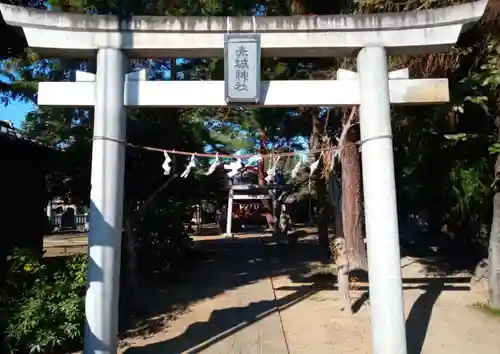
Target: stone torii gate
{"x":369,"y":37}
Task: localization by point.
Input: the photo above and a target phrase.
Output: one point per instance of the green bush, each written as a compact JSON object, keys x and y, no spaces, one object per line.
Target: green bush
{"x":43,"y":303}
{"x":161,"y":240}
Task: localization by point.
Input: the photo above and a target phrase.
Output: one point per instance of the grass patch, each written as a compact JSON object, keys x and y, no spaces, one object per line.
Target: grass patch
{"x":487,"y":309}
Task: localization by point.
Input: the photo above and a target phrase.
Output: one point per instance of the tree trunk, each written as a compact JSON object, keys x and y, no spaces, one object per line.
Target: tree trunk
{"x":130,"y":243}
{"x":266,"y":205}
{"x":298,"y":7}
{"x":315,"y":142}
{"x":335,"y":201}
{"x":323,"y":211}
{"x":352,"y":209}
{"x":494,"y":246}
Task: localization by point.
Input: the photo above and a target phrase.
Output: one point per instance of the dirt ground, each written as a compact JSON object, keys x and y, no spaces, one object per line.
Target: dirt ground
{"x":64,"y":244}
{"x":249,"y":295}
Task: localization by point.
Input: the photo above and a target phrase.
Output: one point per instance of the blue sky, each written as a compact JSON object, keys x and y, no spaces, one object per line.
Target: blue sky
{"x":16,"y":112}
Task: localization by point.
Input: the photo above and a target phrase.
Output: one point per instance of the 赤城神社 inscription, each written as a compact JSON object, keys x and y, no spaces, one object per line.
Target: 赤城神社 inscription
{"x":242,"y":68}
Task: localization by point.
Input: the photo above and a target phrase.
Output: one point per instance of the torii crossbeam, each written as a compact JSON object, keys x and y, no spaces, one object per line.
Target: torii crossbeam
{"x":344,"y":91}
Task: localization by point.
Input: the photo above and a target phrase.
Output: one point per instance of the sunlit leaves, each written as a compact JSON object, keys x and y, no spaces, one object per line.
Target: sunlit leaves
{"x":494,"y":149}
{"x":43,"y":303}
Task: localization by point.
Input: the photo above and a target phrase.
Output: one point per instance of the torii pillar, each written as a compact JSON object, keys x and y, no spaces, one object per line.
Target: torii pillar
{"x":372,"y":37}
{"x":106,"y":202}
{"x":381,"y":213}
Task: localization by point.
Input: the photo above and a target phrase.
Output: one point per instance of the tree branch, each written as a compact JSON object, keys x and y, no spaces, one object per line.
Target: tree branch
{"x":158,"y":191}
{"x":346,"y":126}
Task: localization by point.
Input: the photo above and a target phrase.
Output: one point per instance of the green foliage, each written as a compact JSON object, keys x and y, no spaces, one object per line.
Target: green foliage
{"x":494,"y":149}
{"x":489,"y":74}
{"x":161,"y":240}
{"x":468,"y":189}
{"x":42,"y":303}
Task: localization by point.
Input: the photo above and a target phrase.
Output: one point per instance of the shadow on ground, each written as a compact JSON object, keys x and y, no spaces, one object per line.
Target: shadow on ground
{"x":420,"y":314}
{"x":223,"y":265}
{"x":439,"y":255}
{"x":222,"y":324}
{"x":220,"y":265}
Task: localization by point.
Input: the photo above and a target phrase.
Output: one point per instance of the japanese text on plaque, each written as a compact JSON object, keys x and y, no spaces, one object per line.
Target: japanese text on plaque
{"x":241,"y":65}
